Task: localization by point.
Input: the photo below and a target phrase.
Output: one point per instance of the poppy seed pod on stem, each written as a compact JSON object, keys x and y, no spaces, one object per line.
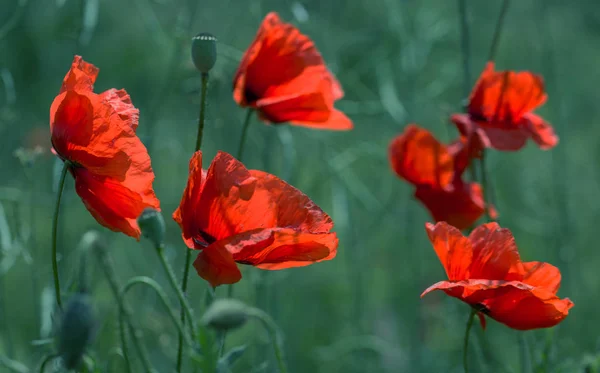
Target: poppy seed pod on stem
{"x":152,"y":225}
{"x":76,"y":331}
{"x":204,"y":51}
{"x":226,"y":314}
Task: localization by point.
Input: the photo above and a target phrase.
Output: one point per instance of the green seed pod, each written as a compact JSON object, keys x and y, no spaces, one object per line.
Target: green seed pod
{"x":226,"y":314}
{"x":77,"y":329}
{"x":152,"y":225}
{"x":204,"y":51}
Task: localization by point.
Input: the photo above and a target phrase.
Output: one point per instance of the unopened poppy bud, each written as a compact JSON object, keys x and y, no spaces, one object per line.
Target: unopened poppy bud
{"x":204,"y":51}
{"x":226,"y":314}
{"x":77,"y":329}
{"x":152,"y":225}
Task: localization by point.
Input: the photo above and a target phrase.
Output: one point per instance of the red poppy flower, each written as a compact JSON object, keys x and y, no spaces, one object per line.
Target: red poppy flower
{"x":96,"y":134}
{"x":283,"y":76}
{"x":435,"y":170}
{"x":250,"y":217}
{"x":500,"y":111}
{"x":485,"y":271}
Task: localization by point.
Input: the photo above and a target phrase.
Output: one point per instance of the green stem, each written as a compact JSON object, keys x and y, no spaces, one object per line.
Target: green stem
{"x":524,"y":354}
{"x":186,"y":271}
{"x":466,"y":50}
{"x":61,"y":185}
{"x":124,"y":311}
{"x":180,"y":294}
{"x":498,"y":30}
{"x":275,"y":334}
{"x":46,"y":361}
{"x":202,"y":110}
{"x":240,"y":152}
{"x":144,"y":280}
{"x":123,"y":335}
{"x":487,"y":191}
{"x":188,"y":254}
{"x":466,"y":340}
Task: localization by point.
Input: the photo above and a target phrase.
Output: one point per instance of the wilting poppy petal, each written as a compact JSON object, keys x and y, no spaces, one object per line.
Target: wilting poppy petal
{"x":284,"y":77}
{"x":460,"y":205}
{"x":420,"y":159}
{"x":96,"y":134}
{"x":485,"y":272}
{"x":255,"y":217}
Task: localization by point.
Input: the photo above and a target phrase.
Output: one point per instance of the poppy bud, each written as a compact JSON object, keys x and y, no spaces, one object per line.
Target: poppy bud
{"x":152,"y":225}
{"x":204,"y":51}
{"x":76,"y":331}
{"x":226,"y":314}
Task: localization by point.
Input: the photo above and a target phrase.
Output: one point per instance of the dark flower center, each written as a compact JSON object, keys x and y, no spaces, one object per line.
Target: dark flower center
{"x":204,"y":239}
{"x":481,"y":308}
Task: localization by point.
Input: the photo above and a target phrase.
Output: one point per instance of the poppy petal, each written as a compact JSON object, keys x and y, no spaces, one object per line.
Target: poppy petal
{"x":420,"y":159}
{"x":238,"y":200}
{"x":313,"y":109}
{"x":283,"y":75}
{"x":461,"y":205}
{"x":185,"y":214}
{"x":216,"y":265}
{"x":476,"y":292}
{"x":121,"y":103}
{"x":494,"y":252}
{"x":542,"y":275}
{"x":112,"y":205}
{"x":541,"y":131}
{"x":504,"y":139}
{"x":280,"y":248}
{"x":452,"y":248}
{"x":97,"y":132}
{"x":506,"y":95}
{"x":278,"y":55}
{"x":81,"y":76}
{"x":524,"y":309}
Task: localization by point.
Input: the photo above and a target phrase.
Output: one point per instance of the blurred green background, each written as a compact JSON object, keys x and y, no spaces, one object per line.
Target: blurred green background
{"x":399,"y":61}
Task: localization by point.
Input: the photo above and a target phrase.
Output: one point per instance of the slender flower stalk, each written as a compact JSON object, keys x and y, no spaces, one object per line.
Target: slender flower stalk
{"x":498,"y":30}
{"x":47,"y":361}
{"x":147,"y":281}
{"x":188,"y":253}
{"x":240,"y":152}
{"x":61,"y":185}
{"x":466,"y":339}
{"x":125,"y":315}
{"x":275,"y":334}
{"x":180,"y":294}
{"x":465,"y":45}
